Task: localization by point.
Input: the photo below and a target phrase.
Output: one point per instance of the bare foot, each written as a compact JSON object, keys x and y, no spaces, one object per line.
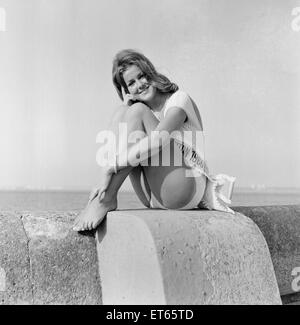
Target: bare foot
{"x":92,"y":195}
{"x":93,"y":214}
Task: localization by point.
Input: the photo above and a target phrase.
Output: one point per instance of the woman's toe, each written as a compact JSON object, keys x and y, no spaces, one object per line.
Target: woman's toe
{"x":95,"y":224}
{"x":82,"y":226}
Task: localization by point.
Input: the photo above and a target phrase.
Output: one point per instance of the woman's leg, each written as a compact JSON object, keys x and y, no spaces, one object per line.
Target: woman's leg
{"x":169,"y":183}
{"x":136,"y":174}
{"x":140,"y":185}
{"x":95,"y":211}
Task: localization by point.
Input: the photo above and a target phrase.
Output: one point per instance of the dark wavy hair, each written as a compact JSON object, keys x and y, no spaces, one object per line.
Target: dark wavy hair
{"x":126,"y":58}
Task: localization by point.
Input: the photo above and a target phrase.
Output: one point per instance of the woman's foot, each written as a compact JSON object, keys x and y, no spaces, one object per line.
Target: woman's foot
{"x":94,"y":213}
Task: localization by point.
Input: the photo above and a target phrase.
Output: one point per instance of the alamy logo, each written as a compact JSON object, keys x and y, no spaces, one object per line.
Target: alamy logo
{"x":296,"y":21}
{"x":148,"y":147}
{"x":2,"y":20}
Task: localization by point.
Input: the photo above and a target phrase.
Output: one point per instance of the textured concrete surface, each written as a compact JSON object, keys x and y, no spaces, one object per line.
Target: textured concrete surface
{"x":43,"y":262}
{"x":47,"y":261}
{"x":15,"y":280}
{"x":184,"y":257}
{"x":280,"y":226}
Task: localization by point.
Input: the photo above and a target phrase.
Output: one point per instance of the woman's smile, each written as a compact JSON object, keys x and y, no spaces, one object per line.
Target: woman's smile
{"x":144,"y":91}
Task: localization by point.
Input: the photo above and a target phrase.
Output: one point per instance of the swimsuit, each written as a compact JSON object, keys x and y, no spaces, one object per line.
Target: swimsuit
{"x":190,"y":140}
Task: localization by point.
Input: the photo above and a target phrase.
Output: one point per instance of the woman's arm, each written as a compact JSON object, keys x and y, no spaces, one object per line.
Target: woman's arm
{"x":140,"y":151}
{"x":153,"y":143}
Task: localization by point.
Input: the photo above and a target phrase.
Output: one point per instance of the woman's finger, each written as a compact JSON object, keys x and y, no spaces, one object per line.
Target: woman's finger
{"x":123,"y":92}
{"x":127,"y":99}
{"x":93,"y":194}
{"x":101,"y":192}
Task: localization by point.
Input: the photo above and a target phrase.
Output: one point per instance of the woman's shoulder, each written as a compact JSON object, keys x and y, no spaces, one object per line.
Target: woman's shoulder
{"x":178,"y":98}
{"x":180,"y":93}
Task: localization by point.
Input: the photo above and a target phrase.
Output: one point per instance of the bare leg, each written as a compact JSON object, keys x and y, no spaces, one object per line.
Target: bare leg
{"x":96,"y":209}
{"x":161,"y":178}
{"x":140,"y":185}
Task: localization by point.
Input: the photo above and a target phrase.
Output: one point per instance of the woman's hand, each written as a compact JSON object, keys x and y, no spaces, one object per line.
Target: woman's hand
{"x":128,"y":99}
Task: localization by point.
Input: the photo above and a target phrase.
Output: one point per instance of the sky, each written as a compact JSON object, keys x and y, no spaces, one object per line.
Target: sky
{"x":238,"y":59}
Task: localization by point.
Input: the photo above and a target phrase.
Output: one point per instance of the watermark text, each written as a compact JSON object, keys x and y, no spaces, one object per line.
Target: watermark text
{"x":136,"y":147}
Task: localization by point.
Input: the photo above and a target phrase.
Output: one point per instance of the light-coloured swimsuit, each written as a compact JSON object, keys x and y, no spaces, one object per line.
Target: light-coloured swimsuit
{"x":190,"y":140}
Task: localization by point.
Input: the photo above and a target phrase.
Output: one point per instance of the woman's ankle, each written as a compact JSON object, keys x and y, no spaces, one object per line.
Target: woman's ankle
{"x":108,"y":199}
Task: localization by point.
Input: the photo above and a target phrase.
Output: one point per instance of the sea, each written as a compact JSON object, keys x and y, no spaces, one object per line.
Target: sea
{"x":29,"y":200}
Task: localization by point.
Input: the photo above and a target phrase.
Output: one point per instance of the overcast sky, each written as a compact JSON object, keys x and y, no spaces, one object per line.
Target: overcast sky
{"x":238,"y":59}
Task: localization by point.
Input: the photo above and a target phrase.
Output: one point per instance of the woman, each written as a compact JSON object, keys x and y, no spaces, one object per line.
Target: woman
{"x":165,"y":166}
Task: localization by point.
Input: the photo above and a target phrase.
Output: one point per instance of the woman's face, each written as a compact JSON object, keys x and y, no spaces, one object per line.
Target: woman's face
{"x":138,"y":85}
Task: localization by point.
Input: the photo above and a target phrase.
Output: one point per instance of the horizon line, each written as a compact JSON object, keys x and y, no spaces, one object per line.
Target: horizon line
{"x":236,"y":189}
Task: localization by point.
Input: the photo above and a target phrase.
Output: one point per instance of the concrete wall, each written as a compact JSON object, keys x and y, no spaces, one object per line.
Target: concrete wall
{"x":151,"y":256}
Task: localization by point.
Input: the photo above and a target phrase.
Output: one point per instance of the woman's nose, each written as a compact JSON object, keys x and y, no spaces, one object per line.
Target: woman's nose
{"x":140,"y":84}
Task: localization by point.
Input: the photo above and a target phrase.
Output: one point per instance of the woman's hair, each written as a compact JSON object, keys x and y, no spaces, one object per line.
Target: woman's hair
{"x":126,"y":58}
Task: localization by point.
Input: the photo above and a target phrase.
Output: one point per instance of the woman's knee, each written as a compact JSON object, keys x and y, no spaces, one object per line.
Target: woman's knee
{"x":137,"y":111}
{"x":119,"y":113}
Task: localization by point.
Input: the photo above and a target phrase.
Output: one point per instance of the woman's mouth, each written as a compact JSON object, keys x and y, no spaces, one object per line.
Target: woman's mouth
{"x":143,"y":91}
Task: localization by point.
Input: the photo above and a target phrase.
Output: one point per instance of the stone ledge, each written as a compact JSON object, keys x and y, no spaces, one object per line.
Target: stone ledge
{"x":184,"y":257}
{"x":280,"y":226}
{"x":44,"y":262}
